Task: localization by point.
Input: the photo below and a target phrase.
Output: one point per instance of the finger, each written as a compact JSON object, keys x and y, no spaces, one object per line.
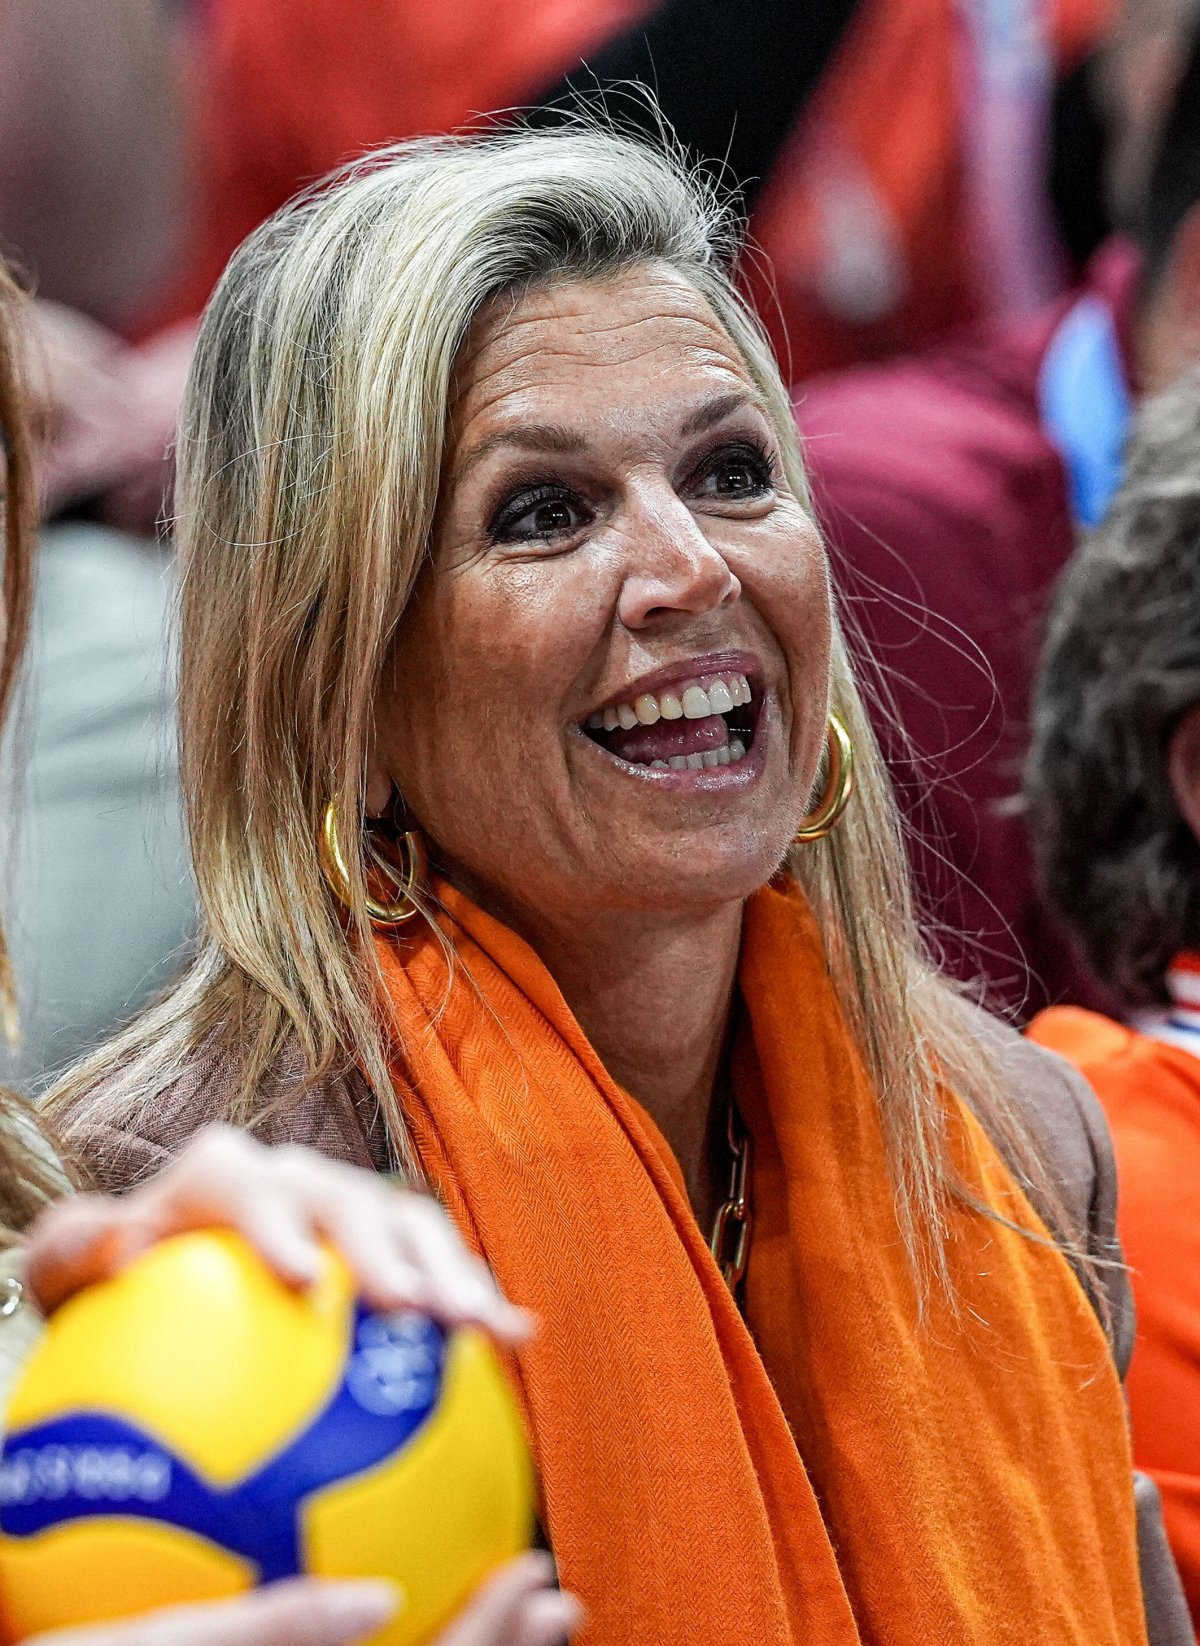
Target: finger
{"x":269,"y":1219}
{"x":75,"y":1242}
{"x":228,"y":1179}
{"x":464,"y":1290}
{"x":381,"y":1234}
{"x":373,"y":1228}
{"x":349,"y":1209}
{"x":546,"y":1619}
{"x":303,"y":1612}
{"x":490,"y":1616}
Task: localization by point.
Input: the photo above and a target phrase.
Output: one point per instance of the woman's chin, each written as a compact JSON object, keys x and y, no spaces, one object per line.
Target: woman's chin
{"x":696,"y":877}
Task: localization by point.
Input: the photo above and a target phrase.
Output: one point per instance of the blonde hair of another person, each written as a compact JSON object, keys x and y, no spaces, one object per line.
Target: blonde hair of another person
{"x":309,"y":458}
{"x":29,"y":1176}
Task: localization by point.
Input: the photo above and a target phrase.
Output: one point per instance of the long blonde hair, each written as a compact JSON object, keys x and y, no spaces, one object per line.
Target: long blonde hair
{"x":29,"y":1173}
{"x":309,"y":460}
{"x":18,"y":510}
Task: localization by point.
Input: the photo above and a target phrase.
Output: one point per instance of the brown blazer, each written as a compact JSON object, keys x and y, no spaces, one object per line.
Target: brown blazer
{"x":339,"y":1117}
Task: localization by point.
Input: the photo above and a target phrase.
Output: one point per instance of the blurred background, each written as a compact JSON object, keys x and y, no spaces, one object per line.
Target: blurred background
{"x":972,"y":240}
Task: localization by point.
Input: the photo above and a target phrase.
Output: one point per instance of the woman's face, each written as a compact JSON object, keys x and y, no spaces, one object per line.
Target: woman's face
{"x":609,"y":689}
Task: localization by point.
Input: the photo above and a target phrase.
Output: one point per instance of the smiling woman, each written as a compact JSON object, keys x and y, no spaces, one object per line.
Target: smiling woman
{"x":544,"y":855}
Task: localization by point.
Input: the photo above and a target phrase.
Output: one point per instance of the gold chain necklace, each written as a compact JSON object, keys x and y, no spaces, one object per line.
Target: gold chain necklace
{"x":732,"y":1226}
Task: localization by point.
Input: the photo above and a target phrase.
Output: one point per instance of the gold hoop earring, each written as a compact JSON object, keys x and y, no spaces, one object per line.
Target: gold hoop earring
{"x":839,"y":786}
{"x":406,"y":876}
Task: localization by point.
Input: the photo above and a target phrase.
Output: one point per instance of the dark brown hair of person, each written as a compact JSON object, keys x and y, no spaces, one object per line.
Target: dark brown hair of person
{"x":29,"y":1175}
{"x":1120,"y":667}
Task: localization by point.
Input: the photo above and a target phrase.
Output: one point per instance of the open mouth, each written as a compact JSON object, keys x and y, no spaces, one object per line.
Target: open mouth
{"x":698,"y":724}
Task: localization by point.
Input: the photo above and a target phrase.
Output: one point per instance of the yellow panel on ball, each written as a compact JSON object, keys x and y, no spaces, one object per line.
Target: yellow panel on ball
{"x":93,"y":1570}
{"x":468,"y":1468}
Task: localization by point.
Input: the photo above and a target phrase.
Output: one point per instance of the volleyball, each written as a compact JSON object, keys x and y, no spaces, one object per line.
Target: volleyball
{"x":193,"y":1428}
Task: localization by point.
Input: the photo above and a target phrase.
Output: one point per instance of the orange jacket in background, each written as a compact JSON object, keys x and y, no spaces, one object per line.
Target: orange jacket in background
{"x":1150,"y":1089}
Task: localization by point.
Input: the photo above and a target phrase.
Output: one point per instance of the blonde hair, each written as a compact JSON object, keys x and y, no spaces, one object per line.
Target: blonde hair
{"x":309,"y":459}
{"x":29,"y":1173}
{"x":18,"y":509}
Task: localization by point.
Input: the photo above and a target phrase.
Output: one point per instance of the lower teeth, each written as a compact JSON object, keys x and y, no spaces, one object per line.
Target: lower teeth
{"x":728,"y":755}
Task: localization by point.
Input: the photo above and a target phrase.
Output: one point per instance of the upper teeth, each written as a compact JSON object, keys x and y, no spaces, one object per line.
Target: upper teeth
{"x":691,"y":702}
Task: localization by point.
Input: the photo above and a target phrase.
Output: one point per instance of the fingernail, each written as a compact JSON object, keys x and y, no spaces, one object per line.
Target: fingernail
{"x":572,"y":1612}
{"x":518,"y":1324}
{"x":356,"y":1609}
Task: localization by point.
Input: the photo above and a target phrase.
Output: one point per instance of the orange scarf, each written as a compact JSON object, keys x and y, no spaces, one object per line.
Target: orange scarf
{"x":827,"y":1469}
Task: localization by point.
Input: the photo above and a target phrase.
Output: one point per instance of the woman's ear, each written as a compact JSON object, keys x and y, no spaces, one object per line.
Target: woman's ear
{"x":1183,"y":766}
{"x":380,"y":787}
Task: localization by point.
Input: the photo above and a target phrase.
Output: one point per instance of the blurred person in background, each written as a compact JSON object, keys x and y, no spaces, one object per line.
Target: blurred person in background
{"x":91,"y":173}
{"x":952,"y":484}
{"x":399,"y":1246}
{"x":907,"y":185}
{"x":910,"y":165}
{"x":1113,"y":784}
{"x":91,"y":191}
{"x":94,"y":201}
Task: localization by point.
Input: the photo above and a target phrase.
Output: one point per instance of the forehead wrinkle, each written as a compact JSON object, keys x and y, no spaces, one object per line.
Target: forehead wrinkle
{"x":574,"y":298}
{"x":527,"y":409}
{"x":589,"y":328}
{"x":599,"y":345}
{"x":512,"y":377}
{"x":584,"y":309}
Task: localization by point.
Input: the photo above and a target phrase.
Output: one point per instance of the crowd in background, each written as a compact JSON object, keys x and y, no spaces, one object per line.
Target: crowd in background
{"x":976,"y":245}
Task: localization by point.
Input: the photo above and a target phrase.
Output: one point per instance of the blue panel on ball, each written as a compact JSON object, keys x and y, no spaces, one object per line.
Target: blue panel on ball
{"x":87,"y":1463}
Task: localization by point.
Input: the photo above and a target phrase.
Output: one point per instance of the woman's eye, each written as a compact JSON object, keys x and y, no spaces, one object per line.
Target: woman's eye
{"x":531,"y":518}
{"x":737,"y":475}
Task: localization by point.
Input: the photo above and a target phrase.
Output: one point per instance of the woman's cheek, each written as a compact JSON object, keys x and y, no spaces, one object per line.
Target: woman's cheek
{"x":790,"y":589}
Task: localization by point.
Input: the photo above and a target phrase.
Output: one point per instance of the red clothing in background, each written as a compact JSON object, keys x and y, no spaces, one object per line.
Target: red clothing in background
{"x":874,"y":219}
{"x":288,"y":89}
{"x":946,"y":506}
{"x":1150,"y":1089}
{"x":866,"y":216}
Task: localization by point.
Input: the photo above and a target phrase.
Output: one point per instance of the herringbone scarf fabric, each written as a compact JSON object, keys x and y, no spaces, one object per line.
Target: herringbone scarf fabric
{"x":829,"y":1469}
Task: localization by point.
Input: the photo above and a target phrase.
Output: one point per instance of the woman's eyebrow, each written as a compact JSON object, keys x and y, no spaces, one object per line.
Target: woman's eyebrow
{"x":542,"y":437}
{"x":554,"y":437}
{"x":716,"y":410}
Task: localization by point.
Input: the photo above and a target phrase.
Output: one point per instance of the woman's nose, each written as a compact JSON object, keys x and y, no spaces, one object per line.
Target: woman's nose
{"x":673,"y":568}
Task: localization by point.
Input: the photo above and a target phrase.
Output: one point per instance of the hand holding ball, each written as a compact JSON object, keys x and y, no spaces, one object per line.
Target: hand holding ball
{"x":192,"y":1429}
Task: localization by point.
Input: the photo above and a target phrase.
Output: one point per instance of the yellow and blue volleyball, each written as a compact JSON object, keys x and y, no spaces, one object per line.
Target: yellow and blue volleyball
{"x":192,"y":1428}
